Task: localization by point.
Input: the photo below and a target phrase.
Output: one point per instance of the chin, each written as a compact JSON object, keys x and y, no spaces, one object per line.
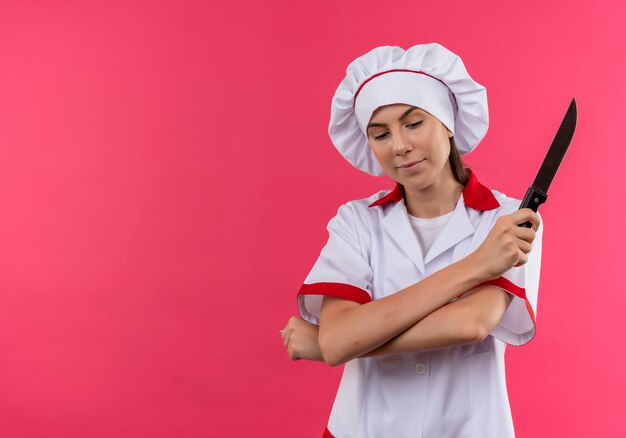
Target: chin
{"x":418,"y":181}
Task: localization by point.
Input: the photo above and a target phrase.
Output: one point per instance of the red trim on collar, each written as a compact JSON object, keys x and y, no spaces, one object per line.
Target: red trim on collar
{"x":393,"y":196}
{"x":475,"y":195}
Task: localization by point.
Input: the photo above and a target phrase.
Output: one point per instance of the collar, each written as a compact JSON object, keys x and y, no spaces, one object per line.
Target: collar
{"x":475,"y":195}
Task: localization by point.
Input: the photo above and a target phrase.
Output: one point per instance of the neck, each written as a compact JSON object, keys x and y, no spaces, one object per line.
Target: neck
{"x":435,"y":200}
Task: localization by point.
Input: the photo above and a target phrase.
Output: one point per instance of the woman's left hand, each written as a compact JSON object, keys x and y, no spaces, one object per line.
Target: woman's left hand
{"x":300,"y":339}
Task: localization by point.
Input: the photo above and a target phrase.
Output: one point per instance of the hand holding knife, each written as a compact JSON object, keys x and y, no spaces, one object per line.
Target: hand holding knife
{"x":537,"y":194}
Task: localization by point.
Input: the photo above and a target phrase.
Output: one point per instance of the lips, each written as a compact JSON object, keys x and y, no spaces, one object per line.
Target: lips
{"x":410,"y":164}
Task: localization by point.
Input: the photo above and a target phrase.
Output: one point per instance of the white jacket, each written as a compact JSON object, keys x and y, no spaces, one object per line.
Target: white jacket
{"x":454,"y":392}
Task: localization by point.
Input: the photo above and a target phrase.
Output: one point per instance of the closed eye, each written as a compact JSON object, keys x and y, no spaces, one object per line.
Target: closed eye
{"x":413,"y":125}
{"x":381,"y":136}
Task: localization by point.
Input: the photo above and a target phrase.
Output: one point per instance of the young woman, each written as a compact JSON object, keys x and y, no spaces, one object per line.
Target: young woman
{"x":420,"y":288}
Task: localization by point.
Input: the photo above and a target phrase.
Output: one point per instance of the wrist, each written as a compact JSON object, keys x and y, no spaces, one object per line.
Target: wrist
{"x":473,"y":270}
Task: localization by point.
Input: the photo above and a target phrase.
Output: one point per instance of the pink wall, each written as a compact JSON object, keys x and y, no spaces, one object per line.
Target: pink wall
{"x":166,"y":179}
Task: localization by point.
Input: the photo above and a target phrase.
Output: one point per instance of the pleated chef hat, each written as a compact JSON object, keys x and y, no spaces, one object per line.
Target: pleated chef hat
{"x":427,"y":76}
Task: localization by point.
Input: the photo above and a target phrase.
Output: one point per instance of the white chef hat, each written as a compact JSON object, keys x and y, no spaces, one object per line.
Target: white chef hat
{"x":427,"y":76}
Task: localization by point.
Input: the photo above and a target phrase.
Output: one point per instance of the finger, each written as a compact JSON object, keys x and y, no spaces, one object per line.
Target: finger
{"x":286,"y":337}
{"x":524,"y":246}
{"x":522,"y":259}
{"x":287,"y":346}
{"x":527,"y":234}
{"x":525,"y":215}
{"x":531,"y":217}
{"x":289,"y":342}
{"x":293,"y":354}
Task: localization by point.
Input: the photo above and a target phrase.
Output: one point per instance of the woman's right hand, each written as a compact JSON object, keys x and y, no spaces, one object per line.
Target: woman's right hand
{"x":507,"y":245}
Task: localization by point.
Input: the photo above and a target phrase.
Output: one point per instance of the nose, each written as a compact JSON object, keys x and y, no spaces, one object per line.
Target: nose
{"x":400,"y":145}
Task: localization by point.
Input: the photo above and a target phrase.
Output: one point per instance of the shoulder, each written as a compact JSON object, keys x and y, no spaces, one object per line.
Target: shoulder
{"x":364,"y":207}
{"x":507,"y":203}
{"x":357,"y":213}
{"x":365,"y":203}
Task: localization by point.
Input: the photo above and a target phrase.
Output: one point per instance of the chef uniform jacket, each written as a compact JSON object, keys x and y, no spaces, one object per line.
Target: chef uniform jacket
{"x":454,"y":392}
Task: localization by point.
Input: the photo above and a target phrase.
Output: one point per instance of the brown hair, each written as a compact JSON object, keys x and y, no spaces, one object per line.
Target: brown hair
{"x":459,"y":169}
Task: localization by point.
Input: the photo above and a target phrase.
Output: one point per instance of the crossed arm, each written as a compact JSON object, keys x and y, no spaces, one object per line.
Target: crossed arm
{"x":422,"y":316}
{"x":467,"y":320}
{"x":418,"y":318}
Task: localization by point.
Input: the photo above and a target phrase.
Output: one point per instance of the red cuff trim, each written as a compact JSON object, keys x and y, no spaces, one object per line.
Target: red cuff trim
{"x":327,"y":434}
{"x":511,"y":287}
{"x":531,"y":312}
{"x":338,"y":290}
{"x":506,"y":284}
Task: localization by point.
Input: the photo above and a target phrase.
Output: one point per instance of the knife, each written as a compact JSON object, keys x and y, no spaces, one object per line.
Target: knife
{"x":537,"y":194}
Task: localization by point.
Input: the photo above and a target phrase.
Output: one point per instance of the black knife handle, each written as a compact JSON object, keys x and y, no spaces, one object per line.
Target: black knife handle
{"x":533,"y":199}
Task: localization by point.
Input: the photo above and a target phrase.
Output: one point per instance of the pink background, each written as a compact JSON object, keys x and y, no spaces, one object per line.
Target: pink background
{"x":166,"y":178}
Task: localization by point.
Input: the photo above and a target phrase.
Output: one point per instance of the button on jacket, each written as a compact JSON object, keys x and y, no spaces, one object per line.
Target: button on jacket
{"x":453,"y":392}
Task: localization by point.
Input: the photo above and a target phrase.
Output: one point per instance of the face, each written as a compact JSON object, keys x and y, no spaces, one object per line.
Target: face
{"x":402,"y":134}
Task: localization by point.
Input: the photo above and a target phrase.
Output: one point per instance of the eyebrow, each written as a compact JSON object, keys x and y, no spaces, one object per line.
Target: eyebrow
{"x":404,"y":114}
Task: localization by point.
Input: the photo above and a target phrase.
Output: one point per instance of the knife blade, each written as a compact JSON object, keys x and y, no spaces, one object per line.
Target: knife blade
{"x":537,"y":193}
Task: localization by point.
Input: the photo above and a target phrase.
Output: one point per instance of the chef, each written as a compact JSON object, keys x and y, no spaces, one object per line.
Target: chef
{"x":420,"y":288}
